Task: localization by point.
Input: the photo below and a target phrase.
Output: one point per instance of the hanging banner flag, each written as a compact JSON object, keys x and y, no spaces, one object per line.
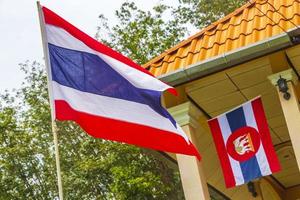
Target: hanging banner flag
{"x":243,"y":142}
{"x":106,"y":93}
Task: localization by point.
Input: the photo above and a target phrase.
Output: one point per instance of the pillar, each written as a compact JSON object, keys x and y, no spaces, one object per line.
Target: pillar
{"x":191,"y":170}
{"x":291,"y":109}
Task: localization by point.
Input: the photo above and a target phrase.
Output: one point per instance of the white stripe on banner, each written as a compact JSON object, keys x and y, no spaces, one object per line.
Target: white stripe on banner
{"x":114,"y":108}
{"x":59,"y":37}
{"x":260,"y":155}
{"x":236,"y":168}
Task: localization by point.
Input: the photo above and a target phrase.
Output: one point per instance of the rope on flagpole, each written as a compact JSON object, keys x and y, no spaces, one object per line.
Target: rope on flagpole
{"x":53,"y":122}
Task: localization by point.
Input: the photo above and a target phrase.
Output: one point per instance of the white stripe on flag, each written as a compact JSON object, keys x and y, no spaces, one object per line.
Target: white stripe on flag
{"x":236,"y":168}
{"x":114,"y":108}
{"x":260,"y":155}
{"x":59,"y":37}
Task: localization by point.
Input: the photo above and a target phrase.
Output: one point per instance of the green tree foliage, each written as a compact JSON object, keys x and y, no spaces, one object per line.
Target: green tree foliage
{"x":139,"y":34}
{"x":26,"y":159}
{"x":142,"y":35}
{"x":93,"y":168}
{"x":201,"y":13}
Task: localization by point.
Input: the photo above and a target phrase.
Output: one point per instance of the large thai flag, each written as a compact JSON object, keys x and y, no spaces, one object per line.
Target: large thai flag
{"x":107,"y":94}
{"x":243,"y":143}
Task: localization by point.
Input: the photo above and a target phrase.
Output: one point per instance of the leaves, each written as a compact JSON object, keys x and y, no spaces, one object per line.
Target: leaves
{"x":94,"y":168}
{"x":91,"y":168}
{"x":139,"y":34}
{"x":201,"y":13}
{"x":142,"y":35}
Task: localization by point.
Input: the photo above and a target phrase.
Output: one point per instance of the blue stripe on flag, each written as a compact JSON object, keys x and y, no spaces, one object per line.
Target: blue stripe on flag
{"x":250,"y":168}
{"x":89,"y":73}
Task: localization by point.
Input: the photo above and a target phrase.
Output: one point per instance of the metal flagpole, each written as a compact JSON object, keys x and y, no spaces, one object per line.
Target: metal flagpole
{"x":53,"y":123}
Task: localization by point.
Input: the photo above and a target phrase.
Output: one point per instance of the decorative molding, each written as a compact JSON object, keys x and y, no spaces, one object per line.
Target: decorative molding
{"x":289,"y":75}
{"x":186,"y":113}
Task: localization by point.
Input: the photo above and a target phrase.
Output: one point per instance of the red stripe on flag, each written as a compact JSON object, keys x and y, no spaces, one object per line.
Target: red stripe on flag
{"x":121,"y":131}
{"x":222,"y":152}
{"x":55,"y":20}
{"x":265,"y":135}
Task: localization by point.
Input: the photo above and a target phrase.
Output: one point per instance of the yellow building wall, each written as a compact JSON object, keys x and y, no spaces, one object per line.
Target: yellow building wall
{"x":268,"y":191}
{"x":206,"y":88}
{"x":293,"y":193}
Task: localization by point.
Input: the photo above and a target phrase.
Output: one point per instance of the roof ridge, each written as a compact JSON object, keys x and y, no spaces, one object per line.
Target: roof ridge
{"x":248,"y":4}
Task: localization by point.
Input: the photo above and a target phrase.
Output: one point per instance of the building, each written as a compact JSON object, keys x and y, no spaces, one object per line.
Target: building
{"x":229,"y":62}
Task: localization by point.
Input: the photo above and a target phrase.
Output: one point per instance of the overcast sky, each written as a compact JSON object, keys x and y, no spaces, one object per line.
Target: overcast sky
{"x":20,"y":38}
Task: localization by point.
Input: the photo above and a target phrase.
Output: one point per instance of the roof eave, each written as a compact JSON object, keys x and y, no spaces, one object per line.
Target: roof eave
{"x":232,"y":58}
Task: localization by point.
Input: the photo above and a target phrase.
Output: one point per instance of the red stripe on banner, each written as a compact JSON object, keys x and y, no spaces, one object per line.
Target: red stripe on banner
{"x":121,"y":131}
{"x":55,"y":20}
{"x":265,"y":135}
{"x":222,"y":152}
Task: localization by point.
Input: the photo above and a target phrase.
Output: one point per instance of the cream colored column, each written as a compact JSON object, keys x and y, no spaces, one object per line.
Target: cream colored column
{"x":191,"y":170}
{"x":290,"y":109}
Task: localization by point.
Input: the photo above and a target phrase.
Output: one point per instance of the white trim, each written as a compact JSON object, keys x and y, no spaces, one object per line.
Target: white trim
{"x":114,"y":108}
{"x":60,"y":37}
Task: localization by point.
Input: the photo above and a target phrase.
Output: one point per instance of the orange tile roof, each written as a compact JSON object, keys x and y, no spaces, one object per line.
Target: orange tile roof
{"x":255,"y":21}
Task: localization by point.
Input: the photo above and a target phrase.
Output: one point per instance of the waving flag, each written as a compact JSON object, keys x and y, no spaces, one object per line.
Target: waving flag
{"x":107,"y":94}
{"x":243,"y":143}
